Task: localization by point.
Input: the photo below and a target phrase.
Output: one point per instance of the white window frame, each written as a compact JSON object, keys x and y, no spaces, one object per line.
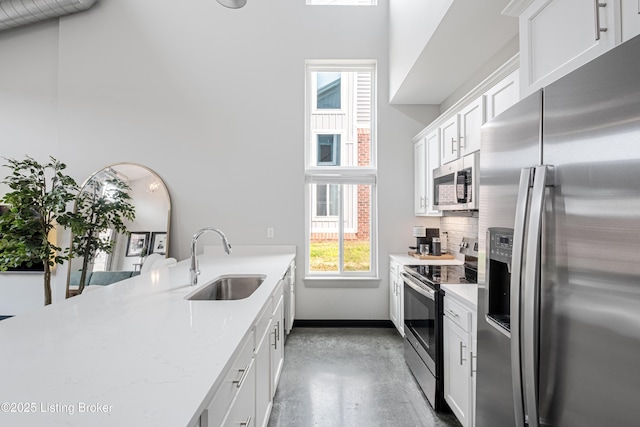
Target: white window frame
{"x":314,"y":206}
{"x":314,"y":139}
{"x":343,"y":97}
{"x":326,"y":174}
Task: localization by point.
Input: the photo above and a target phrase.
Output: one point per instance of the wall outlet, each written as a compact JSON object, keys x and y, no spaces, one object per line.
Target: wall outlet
{"x":271,"y":232}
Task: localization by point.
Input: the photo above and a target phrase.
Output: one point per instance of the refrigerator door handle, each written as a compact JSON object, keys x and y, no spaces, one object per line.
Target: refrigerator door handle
{"x":543,"y":178}
{"x":526,"y":178}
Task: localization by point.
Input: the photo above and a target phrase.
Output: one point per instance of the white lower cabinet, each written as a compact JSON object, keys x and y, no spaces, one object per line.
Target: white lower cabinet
{"x":242,"y":410}
{"x":245,"y":396}
{"x":277,"y":349}
{"x":263,"y":366}
{"x":234,"y":380}
{"x":396,"y":301}
{"x":458,"y":353}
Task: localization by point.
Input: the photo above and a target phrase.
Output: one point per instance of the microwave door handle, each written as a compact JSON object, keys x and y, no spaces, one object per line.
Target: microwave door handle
{"x":543,"y":178}
{"x":460,"y":176}
{"x":526,"y":175}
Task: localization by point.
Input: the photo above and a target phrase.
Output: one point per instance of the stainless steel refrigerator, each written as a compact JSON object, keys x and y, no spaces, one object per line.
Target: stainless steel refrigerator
{"x":559,"y":266}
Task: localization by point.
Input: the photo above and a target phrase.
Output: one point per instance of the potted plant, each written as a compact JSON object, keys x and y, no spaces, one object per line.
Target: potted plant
{"x":38,"y":198}
{"x":101,"y":205}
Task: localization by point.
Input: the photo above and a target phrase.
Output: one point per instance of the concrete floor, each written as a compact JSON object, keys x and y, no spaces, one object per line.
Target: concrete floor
{"x":350,"y":377}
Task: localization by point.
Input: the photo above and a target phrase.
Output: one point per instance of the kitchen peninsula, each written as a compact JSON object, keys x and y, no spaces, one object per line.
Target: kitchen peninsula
{"x":136,"y":352}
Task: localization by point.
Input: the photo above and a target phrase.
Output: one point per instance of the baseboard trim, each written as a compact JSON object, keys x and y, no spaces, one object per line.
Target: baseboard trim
{"x":320,"y":323}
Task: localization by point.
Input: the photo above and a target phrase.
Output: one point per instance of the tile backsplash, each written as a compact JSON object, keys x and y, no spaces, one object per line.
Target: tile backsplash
{"x":457,"y":227}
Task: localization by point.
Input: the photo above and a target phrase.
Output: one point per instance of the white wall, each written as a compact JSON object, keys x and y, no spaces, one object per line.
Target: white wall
{"x":437,"y":45}
{"x":212,"y":99}
{"x":506,"y":53}
{"x":412,"y":23}
{"x":28,"y":108}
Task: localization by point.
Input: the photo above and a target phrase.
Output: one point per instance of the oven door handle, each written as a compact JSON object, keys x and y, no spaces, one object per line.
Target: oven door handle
{"x":429,"y":293}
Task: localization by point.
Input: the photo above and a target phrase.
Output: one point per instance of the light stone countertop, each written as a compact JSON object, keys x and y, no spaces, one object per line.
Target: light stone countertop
{"x":135,"y":353}
{"x":464,"y":293}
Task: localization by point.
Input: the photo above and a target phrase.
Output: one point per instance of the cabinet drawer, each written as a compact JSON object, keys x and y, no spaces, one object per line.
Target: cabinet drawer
{"x":457,"y":313}
{"x":231,"y":384}
{"x":278,"y":298}
{"x":393,"y":268}
{"x":264,"y":319}
{"x":242,"y":411}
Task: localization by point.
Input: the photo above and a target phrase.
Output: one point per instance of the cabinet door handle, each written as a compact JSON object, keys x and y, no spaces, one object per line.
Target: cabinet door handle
{"x":278,"y":330}
{"x":461,"y":139}
{"x":246,"y":423}
{"x":452,"y":313}
{"x":275,"y":336}
{"x":462,"y":359}
{"x":244,"y":371}
{"x":453,"y":145}
{"x":471,"y":370}
{"x":597,"y":6}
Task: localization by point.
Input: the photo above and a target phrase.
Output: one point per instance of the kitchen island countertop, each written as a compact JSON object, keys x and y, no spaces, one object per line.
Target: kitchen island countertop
{"x":134,"y":353}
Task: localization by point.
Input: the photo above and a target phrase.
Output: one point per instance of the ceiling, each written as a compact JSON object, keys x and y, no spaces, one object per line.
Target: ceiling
{"x":470,"y":34}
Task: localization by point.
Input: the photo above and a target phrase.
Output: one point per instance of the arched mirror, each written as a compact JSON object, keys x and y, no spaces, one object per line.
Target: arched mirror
{"x":123,"y":213}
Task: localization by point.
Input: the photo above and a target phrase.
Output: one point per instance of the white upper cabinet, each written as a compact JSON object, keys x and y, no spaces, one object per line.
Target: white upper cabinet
{"x":558,"y":36}
{"x":503,"y":95}
{"x":433,"y":162}
{"x":630,"y":12}
{"x":420,"y":177}
{"x":449,"y":144}
{"x":471,"y":118}
{"x":426,"y":158}
{"x":457,"y":131}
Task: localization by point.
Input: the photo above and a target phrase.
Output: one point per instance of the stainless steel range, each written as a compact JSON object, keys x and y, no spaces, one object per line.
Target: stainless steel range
{"x":423,"y":319}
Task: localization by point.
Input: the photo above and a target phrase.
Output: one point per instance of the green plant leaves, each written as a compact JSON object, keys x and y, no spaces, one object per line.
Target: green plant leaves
{"x":40,"y":193}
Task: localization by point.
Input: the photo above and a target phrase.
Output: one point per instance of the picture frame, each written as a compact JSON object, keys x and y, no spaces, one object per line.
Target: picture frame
{"x":158,"y":242}
{"x":136,"y":244}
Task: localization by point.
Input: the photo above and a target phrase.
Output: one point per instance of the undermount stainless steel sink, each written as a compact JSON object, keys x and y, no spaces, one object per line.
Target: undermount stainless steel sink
{"x":231,"y":287}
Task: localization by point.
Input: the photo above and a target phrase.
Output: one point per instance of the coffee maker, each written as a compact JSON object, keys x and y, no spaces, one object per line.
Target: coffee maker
{"x":424,"y":236}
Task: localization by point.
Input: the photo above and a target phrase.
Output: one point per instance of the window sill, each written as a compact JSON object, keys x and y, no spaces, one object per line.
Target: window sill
{"x":342,"y":281}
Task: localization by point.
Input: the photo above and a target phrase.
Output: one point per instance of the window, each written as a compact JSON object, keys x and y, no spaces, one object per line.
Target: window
{"x":328,"y":92}
{"x":328,"y":150}
{"x":340,"y":170}
{"x":327,"y":200}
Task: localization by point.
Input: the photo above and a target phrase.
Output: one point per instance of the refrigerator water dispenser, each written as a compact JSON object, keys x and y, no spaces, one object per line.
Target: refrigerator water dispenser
{"x":499,"y":249}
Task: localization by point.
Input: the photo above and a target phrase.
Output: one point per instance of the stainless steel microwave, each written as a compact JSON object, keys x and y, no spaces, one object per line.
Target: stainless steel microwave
{"x":455,"y":184}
